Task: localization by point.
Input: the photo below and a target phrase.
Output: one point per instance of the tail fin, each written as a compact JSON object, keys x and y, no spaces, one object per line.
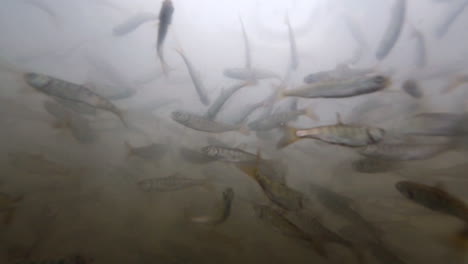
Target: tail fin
{"x":288,"y":138}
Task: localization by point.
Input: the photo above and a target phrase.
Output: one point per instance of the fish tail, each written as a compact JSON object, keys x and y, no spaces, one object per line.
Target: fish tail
{"x":310,"y":113}
{"x":288,"y":138}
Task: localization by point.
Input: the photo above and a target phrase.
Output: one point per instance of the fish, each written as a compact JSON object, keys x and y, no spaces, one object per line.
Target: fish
{"x":153,"y":151}
{"x":78,"y":107}
{"x":196,"y":80}
{"x":434,"y":198}
{"x":165,"y":20}
{"x":252,"y":74}
{"x":228,"y":154}
{"x":225,"y":211}
{"x":340,"y":89}
{"x":248,"y":56}
{"x":420,"y":48}
{"x":393,"y":30}
{"x":287,"y":228}
{"x":341,"y":134}
{"x":132,"y":23}
{"x":412,"y":88}
{"x":341,"y":72}
{"x":342,"y":205}
{"x":294,"y":61}
{"x":403,"y":151}
{"x":280,"y":119}
{"x":201,"y":123}
{"x":8,"y":206}
{"x":171,"y":183}
{"x":66,"y":90}
{"x":73,"y":259}
{"x":273,"y":187}
{"x":218,"y":104}
{"x":451,"y":17}
{"x":67,"y":119}
{"x":373,"y":165}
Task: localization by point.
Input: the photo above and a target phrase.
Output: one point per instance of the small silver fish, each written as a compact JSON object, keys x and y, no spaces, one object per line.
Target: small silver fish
{"x":194,"y":156}
{"x":165,"y":20}
{"x":420,"y":48}
{"x":372,"y":165}
{"x":252,"y":74}
{"x":228,"y":154}
{"x":204,"y":124}
{"x":403,"y":151}
{"x":280,"y":119}
{"x":294,"y":60}
{"x":171,"y":183}
{"x":218,"y":104}
{"x":223,"y":213}
{"x":340,"y":88}
{"x":393,"y":30}
{"x":451,"y":17}
{"x":248,"y":56}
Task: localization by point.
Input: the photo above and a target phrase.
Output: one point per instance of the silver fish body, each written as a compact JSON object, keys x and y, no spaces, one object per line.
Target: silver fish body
{"x":218,"y":104}
{"x":228,"y":154}
{"x":152,"y":152}
{"x":340,"y":89}
{"x":275,"y":120}
{"x":196,"y":80}
{"x":132,"y":23}
{"x":393,"y":30}
{"x":251,"y":74}
{"x":201,"y":123}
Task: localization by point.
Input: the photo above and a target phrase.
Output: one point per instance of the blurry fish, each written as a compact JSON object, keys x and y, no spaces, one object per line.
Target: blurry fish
{"x":403,"y":151}
{"x":420,"y":48}
{"x":248,"y":56}
{"x":8,"y":206}
{"x":340,"y":89}
{"x":412,"y":88}
{"x":152,"y":152}
{"x":372,"y":165}
{"x":197,"y":82}
{"x":194,"y":156}
{"x":218,"y":104}
{"x":288,"y":228}
{"x":393,"y":30}
{"x":224,"y":211}
{"x":294,"y":61}
{"x":341,"y":134}
{"x":165,"y":20}
{"x":133,"y":23}
{"x":111,"y":92}
{"x":70,"y":91}
{"x":451,"y":17}
{"x":434,"y":198}
{"x":280,"y":119}
{"x":246,"y":111}
{"x":171,"y":183}
{"x":273,"y":187}
{"x":436,"y":124}
{"x":78,"y":126}
{"x":342,"y":205}
{"x":204,"y":124}
{"x":358,"y":36}
{"x":228,"y":154}
{"x":252,"y":74}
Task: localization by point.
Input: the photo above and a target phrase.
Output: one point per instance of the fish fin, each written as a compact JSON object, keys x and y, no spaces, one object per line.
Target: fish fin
{"x":129,"y":148}
{"x":338,"y":119}
{"x":309,"y":112}
{"x":288,"y":138}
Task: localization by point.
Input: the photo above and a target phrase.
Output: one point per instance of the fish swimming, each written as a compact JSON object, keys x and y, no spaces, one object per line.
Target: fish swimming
{"x":165,"y":20}
{"x":78,"y":107}
{"x":340,"y":134}
{"x":228,"y":154}
{"x":171,"y":183}
{"x":65,"y":90}
{"x":434,"y":198}
{"x":204,"y":124}
{"x":194,"y":156}
{"x":153,"y":152}
{"x":340,"y":89}
{"x":288,"y":228}
{"x":248,"y":56}
{"x":393,"y":30}
{"x":224,"y":211}
{"x":420,"y":48}
{"x":196,"y":80}
{"x":280,"y":119}
{"x":246,"y":111}
{"x":403,"y":151}
{"x":218,"y":104}
{"x":133,"y":23}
